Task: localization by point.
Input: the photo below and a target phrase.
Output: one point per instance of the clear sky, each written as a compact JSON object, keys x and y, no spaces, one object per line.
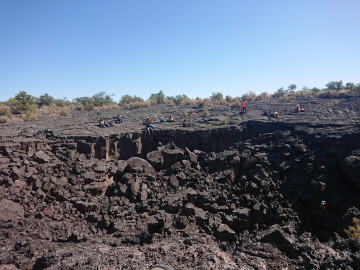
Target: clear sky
{"x":76,"y":48}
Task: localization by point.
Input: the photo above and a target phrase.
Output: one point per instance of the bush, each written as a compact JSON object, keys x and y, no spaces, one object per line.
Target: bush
{"x":126,"y":99}
{"x":22,"y":103}
{"x":223,"y":120}
{"x":158,"y":98}
{"x":86,"y":102}
{"x":216,"y":96}
{"x":335,"y":102}
{"x":206,"y":113}
{"x":354,"y":231}
{"x":45,"y":100}
{"x":4,"y":119}
{"x":5,"y":110}
{"x":30,"y":116}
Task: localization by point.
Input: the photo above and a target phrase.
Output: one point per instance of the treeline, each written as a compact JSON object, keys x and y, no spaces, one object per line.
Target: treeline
{"x":28,"y":107}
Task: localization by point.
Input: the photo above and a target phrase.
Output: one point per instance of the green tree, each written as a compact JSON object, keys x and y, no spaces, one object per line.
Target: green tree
{"x":158,"y":97}
{"x":87,"y":102}
{"x":45,"y":100}
{"x":292,"y":87}
{"x":126,"y":99}
{"x":22,"y":102}
{"x":100,"y":99}
{"x":216,"y":96}
{"x":334,"y":85}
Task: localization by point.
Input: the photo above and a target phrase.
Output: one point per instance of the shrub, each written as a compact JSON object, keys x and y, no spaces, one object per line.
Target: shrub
{"x":5,"y":110}
{"x":65,"y":112}
{"x":4,"y":119}
{"x":216,"y":96}
{"x":30,"y":116}
{"x":186,"y":114}
{"x":126,"y":99}
{"x":45,"y":100}
{"x":354,"y":231}
{"x":223,"y":120}
{"x":158,"y":97}
{"x":22,"y":103}
{"x":86,"y":102}
{"x":203,"y":125}
{"x":206,"y":113}
{"x":335,"y":102}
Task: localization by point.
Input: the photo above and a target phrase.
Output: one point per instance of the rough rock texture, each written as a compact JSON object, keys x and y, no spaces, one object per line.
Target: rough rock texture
{"x":76,"y":196}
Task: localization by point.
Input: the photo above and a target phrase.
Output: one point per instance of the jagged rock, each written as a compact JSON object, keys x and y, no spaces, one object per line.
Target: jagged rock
{"x":10,"y":211}
{"x":41,"y":157}
{"x":155,"y":158}
{"x":139,"y":165}
{"x":351,"y":167}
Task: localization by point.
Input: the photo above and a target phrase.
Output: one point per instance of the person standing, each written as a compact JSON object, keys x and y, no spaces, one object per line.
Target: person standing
{"x":244,"y":105}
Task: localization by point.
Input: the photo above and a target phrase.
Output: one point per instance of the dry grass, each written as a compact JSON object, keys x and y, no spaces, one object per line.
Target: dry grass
{"x":203,"y":125}
{"x":5,"y":111}
{"x":4,"y":119}
{"x":354,"y":231}
{"x":135,"y":105}
{"x":206,"y":113}
{"x":110,"y":106}
{"x":30,"y":116}
{"x":186,"y":114}
{"x":335,"y":102}
{"x":223,"y":120}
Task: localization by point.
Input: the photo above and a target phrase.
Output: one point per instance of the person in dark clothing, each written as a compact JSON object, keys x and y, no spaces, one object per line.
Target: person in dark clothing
{"x":244,"y":183}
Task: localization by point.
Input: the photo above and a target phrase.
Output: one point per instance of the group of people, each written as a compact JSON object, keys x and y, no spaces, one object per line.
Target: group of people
{"x":103,"y":123}
{"x":159,"y":120}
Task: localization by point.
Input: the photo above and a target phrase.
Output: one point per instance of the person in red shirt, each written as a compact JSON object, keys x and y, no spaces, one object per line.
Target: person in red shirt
{"x":244,"y":105}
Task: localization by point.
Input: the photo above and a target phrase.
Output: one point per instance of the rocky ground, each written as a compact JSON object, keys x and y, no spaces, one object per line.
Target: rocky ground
{"x":77,"y":196}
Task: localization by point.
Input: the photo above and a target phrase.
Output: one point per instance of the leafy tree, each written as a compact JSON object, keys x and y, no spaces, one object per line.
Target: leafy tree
{"x":280,"y":92}
{"x":216,"y":96}
{"x":22,"y":102}
{"x":292,"y":87}
{"x":178,"y":99}
{"x":305,"y":88}
{"x":351,"y":86}
{"x":45,"y":100}
{"x":126,"y":99}
{"x":100,"y":99}
{"x":315,"y":90}
{"x":334,"y":85}
{"x":62,"y":102}
{"x":158,"y":97}
{"x":87,"y":102}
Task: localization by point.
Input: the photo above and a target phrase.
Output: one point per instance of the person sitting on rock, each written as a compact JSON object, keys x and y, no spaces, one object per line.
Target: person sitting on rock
{"x":147,"y":121}
{"x":186,"y":123}
{"x":162,"y":119}
{"x":103,"y":123}
{"x":276,"y":115}
{"x":156,"y":119}
{"x":171,"y":119}
{"x":297,"y":109}
{"x":119,"y":119}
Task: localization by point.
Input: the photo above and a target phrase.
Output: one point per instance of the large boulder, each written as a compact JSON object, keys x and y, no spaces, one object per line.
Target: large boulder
{"x":10,"y":211}
{"x":139,"y":165}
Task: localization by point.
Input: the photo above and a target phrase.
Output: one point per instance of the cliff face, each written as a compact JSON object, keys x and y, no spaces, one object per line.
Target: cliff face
{"x":128,"y":200}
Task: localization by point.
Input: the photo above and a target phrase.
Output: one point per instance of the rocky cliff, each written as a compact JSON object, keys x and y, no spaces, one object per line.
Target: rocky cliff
{"x":75,"y":196}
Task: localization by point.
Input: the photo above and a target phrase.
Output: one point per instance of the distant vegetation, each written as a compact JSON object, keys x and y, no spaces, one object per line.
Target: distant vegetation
{"x":26,"y":107}
{"x":354,"y":231}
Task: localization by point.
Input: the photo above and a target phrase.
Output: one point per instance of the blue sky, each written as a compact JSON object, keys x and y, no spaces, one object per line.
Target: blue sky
{"x":194,"y":47}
